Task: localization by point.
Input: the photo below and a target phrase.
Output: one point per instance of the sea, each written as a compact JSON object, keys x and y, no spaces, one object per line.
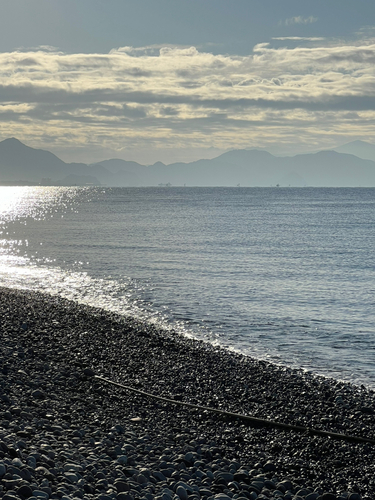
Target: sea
{"x":285,"y":275}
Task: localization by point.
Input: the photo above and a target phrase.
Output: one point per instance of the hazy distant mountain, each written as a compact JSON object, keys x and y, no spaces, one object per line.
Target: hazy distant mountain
{"x":22,"y":163}
{"x":362,"y":149}
{"x":116,"y":165}
{"x":239,"y":167}
{"x":260,"y":168}
{"x":124,"y":173}
{"x":329,"y":168}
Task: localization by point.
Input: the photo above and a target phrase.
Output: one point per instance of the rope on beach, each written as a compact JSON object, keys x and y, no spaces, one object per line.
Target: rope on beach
{"x":246,"y":418}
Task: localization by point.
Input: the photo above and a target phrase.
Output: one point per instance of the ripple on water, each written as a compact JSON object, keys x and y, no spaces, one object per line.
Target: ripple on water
{"x":271,"y":274}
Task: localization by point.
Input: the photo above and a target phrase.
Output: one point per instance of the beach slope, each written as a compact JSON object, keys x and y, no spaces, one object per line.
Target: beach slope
{"x":65,"y":434}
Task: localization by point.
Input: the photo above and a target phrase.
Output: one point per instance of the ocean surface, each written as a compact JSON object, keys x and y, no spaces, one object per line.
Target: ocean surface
{"x":281,"y":274}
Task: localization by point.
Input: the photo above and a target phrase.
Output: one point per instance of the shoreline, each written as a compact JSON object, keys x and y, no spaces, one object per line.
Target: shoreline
{"x":54,"y":411}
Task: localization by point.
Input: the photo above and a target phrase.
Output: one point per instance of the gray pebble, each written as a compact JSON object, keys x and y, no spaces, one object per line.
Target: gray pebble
{"x":181,"y":493}
{"x":40,"y":494}
{"x":3,"y":469}
{"x":77,"y":440}
{"x":312,"y":496}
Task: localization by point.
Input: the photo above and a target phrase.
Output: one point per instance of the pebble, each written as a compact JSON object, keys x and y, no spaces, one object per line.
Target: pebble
{"x":25,"y":491}
{"x":312,"y":496}
{"x":68,"y":436}
{"x":181,"y":493}
{"x":40,"y":494}
{"x":3,"y":470}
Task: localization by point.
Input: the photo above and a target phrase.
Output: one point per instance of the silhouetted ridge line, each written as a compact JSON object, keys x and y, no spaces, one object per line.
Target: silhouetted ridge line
{"x":20,"y":163}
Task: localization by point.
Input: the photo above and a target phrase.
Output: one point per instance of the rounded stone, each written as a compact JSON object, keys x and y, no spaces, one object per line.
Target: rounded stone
{"x":181,"y":493}
{"x":328,"y":496}
{"x":72,"y":478}
{"x":10,"y":496}
{"x":3,"y":470}
{"x":31,"y":462}
{"x":141,"y":479}
{"x":121,"y":486}
{"x":269,"y":467}
{"x":88,"y":372}
{"x":312,"y":496}
{"x":303,"y":492}
{"x":354,"y":496}
{"x":38,"y":394}
{"x":25,"y":491}
{"x":40,"y":494}
{"x":159,"y":476}
{"x":284,"y":485}
{"x":72,"y":468}
{"x":124,"y":496}
{"x":122,"y":460}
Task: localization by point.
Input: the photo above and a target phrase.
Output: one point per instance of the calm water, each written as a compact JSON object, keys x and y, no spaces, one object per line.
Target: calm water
{"x":286,"y":275}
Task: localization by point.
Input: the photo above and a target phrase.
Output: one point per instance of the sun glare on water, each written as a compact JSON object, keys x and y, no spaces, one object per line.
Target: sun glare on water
{"x":19,"y":205}
{"x":10,"y":199}
{"x":21,"y":202}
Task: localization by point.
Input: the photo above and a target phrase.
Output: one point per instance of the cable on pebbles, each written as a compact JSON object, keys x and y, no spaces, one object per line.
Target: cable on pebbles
{"x":238,"y":416}
{"x":64,"y":436}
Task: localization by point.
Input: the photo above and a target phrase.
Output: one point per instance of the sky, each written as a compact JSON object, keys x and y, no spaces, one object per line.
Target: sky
{"x":178,"y":80}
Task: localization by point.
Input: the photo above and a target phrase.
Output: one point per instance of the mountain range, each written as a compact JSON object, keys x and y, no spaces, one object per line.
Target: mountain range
{"x":20,"y":164}
{"x":361,"y":149}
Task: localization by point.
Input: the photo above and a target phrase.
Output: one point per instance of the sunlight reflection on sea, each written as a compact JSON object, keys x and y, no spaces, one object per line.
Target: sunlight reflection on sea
{"x":285,"y":275}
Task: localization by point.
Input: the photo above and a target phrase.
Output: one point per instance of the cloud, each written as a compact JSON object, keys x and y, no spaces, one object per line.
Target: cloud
{"x":180,"y":95}
{"x":299,"y":20}
{"x":300,"y":38}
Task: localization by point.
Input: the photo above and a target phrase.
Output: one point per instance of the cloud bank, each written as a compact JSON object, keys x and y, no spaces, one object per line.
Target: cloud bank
{"x":160,"y":97}
{"x":300,"y":20}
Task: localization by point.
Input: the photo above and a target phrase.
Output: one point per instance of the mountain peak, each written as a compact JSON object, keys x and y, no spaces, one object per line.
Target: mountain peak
{"x":15,"y":146}
{"x":362,"y":149}
{"x":12,"y":140}
{"x":240,"y":155}
{"x":358,"y":142}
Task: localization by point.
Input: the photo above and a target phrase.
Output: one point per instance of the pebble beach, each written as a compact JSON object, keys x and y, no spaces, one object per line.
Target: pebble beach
{"x":65,"y":434}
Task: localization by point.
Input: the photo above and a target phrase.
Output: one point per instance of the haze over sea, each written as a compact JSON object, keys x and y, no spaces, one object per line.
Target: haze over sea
{"x":282,"y":274}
